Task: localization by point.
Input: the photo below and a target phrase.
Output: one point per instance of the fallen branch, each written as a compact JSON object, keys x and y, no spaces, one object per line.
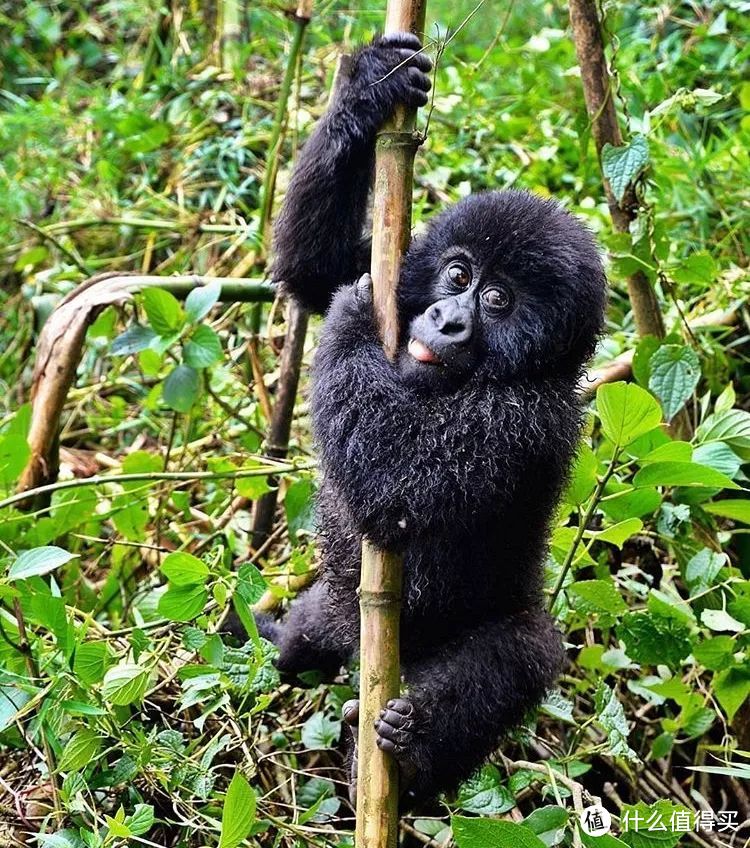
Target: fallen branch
{"x":60,"y":347}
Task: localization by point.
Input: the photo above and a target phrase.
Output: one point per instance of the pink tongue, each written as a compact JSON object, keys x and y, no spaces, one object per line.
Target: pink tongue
{"x":421,"y":352}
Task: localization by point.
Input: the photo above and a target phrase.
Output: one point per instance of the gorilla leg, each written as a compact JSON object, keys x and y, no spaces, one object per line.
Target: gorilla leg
{"x":306,"y":638}
{"x":461,"y":700}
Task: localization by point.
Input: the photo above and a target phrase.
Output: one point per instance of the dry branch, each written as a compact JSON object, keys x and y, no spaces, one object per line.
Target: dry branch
{"x":60,"y":346}
{"x":380,"y":581}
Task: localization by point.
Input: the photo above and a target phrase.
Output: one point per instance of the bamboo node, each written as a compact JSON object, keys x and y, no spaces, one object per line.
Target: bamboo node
{"x":378,"y":599}
{"x":389,"y":140}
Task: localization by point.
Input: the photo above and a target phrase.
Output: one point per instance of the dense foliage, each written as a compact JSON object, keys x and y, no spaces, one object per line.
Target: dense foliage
{"x":134,"y":137}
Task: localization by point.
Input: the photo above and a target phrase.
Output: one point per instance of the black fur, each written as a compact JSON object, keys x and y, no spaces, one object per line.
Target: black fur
{"x":459,"y":462}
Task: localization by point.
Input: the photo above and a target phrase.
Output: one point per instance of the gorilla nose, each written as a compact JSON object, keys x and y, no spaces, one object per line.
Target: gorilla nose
{"x":452,"y":320}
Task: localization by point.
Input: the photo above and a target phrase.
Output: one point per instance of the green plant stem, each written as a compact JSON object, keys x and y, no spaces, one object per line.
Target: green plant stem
{"x":100,"y":479}
{"x":582,"y":525}
{"x":274,"y":147}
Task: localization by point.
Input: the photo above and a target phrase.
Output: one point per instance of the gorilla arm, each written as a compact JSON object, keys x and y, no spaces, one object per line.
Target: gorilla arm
{"x":404,"y":461}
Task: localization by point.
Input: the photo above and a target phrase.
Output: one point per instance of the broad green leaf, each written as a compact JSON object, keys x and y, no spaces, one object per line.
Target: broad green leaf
{"x":618,"y":533}
{"x":697,"y":268}
{"x":642,"y":357}
{"x":65,"y":838}
{"x":735,"y":510}
{"x":133,"y":340}
{"x":669,"y":452}
{"x":204,"y":348}
{"x":142,"y":819}
{"x":39,"y":561}
{"x":664,"y":831}
{"x":14,"y":454}
{"x":719,"y":620}
{"x":655,"y":639}
{"x":621,"y":165}
{"x":682,"y":474}
{"x":492,"y":833}
{"x":125,"y":684}
{"x":716,"y":653}
{"x":201,"y":300}
{"x":147,"y":140}
{"x":732,"y":427}
{"x":597,"y":596}
{"x":181,"y":388}
{"x":484,"y":793}
{"x":626,"y":411}
{"x":92,"y":659}
{"x":163,"y":310}
{"x":320,"y":732}
{"x":251,"y":585}
{"x":298,"y":504}
{"x":318,"y":798}
{"x":252,"y":487}
{"x":548,"y":823}
{"x":674,"y":374}
{"x":731,"y":688}
{"x":606,"y":840}
{"x":80,"y":750}
{"x":630,"y":503}
{"x":183,"y":603}
{"x":703,"y":569}
{"x":184,"y":569}
{"x":239,"y":812}
{"x":718,"y":456}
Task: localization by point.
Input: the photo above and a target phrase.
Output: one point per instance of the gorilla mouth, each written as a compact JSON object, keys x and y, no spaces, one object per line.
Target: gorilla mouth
{"x":419,"y":351}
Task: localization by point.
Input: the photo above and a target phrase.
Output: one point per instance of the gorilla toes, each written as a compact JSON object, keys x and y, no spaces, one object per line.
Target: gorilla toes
{"x":394,"y":728}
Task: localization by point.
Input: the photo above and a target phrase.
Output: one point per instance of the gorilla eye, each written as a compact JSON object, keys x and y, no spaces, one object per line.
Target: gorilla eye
{"x":497,"y":299}
{"x":459,"y":275}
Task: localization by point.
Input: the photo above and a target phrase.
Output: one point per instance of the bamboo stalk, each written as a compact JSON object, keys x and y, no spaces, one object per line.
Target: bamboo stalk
{"x":597,"y":92}
{"x":380,"y":580}
{"x":302,"y":16}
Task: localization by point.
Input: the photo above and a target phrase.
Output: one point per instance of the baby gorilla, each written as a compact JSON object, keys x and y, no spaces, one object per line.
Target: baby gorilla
{"x":455,"y":453}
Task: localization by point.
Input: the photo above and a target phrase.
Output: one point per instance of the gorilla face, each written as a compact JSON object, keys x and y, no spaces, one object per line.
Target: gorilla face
{"x":505,"y":283}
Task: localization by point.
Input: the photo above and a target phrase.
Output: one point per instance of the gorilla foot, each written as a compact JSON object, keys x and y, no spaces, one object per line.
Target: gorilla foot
{"x":394,"y":730}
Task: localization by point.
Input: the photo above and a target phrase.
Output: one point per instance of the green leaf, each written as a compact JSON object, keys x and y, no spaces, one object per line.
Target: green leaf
{"x":201,"y":300}
{"x":682,"y":474}
{"x":655,"y":639}
{"x":718,"y":456}
{"x":239,"y":812}
{"x":583,"y":476}
{"x":204,"y":348}
{"x":621,"y":165}
{"x":163,"y":310}
{"x":39,"y":561}
{"x":320,"y":732}
{"x":703,"y":569}
{"x":731,"y":688}
{"x":483,"y":793}
{"x":618,"y":533}
{"x":12,"y":700}
{"x":251,"y":585}
{"x":731,"y":426}
{"x":125,"y":684}
{"x":184,"y":569}
{"x":735,"y":510}
{"x":183,"y":603}
{"x":14,"y":454}
{"x":147,"y":140}
{"x":298,"y":504}
{"x":716,"y":653}
{"x":92,"y":659}
{"x":142,"y":819}
{"x":611,"y":716}
{"x":492,"y":833}
{"x":635,"y":819}
{"x":642,"y":357}
{"x":548,"y":823}
{"x":81,"y":749}
{"x":66,"y":838}
{"x":697,"y":268}
{"x":606,"y":840}
{"x":626,"y":412}
{"x":181,"y":388}
{"x":133,"y":340}
{"x":597,"y":596}
{"x":719,"y":620}
{"x":674,"y":374}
